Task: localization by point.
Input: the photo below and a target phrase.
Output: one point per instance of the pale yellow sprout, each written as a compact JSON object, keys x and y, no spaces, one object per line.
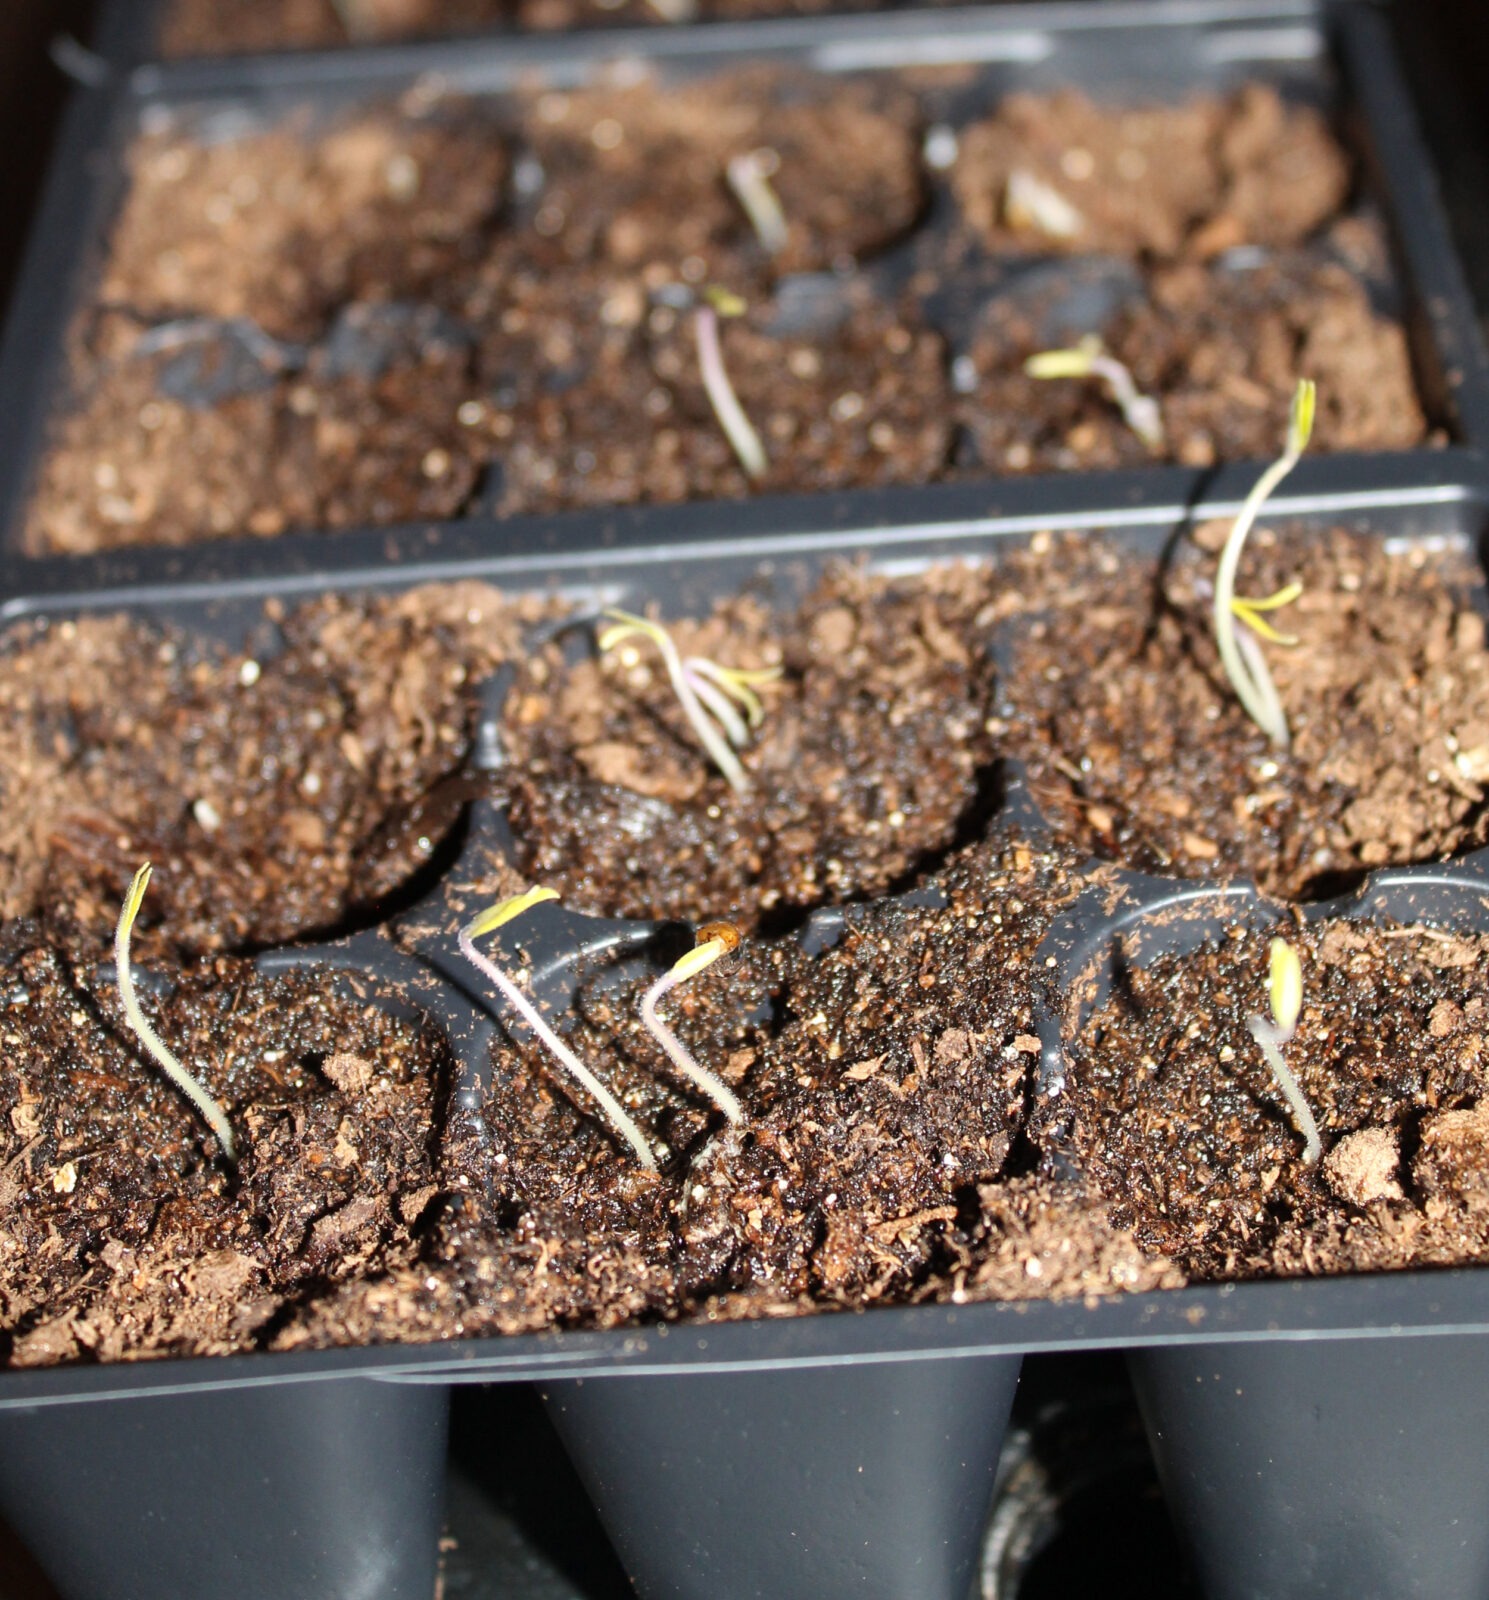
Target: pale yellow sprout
{"x":1089,"y":359}
{"x":1285,"y":994}
{"x":139,"y":1023}
{"x":1240,"y":655}
{"x":707,"y":692}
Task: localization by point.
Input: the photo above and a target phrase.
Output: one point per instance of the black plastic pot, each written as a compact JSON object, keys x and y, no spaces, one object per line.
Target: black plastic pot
{"x":1116,"y":50}
{"x":728,"y":1458}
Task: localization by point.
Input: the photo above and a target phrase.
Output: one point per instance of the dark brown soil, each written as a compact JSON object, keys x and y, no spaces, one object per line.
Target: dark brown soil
{"x":1179,"y":1125}
{"x":873,"y":758}
{"x":267,"y":792}
{"x":1138,"y":751}
{"x":446,"y":307}
{"x":1222,"y":397}
{"x":884,"y":1083}
{"x":887,"y":1153}
{"x":120,"y":1234}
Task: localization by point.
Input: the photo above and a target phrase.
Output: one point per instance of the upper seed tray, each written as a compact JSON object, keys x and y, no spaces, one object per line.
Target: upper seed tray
{"x":494,"y":336}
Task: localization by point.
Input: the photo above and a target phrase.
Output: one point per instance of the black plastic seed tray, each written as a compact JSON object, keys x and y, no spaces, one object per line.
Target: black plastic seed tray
{"x":1316,"y":1438}
{"x":130,"y":30}
{"x":1339,"y":54}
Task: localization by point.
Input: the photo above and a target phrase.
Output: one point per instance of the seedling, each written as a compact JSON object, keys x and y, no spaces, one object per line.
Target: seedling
{"x":1238,"y":621}
{"x":139,"y":1023}
{"x":1030,"y":205}
{"x":1285,"y":992}
{"x":714,"y":940}
{"x":708,"y":693}
{"x":749,"y":177}
{"x":738,"y":430}
{"x":489,"y":921}
{"x":1089,"y":359}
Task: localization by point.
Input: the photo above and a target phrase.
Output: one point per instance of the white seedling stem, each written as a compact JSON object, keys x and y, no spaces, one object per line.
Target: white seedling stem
{"x":702,"y":688}
{"x":1286,"y":991}
{"x":743,"y":439}
{"x":494,"y":918}
{"x":1254,"y":689}
{"x":713,"y":941}
{"x":749,"y":178}
{"x":213,"y":1113}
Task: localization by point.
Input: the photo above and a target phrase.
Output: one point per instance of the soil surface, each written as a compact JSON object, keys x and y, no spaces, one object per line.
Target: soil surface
{"x":1158,"y":181}
{"x":1138,"y":751}
{"x":884,"y":1084}
{"x":872,"y":760}
{"x":122,"y":1234}
{"x":1179,"y":1124}
{"x":267,"y":786}
{"x":882,"y":1136}
{"x":451,"y":307}
{"x":893,"y":1149}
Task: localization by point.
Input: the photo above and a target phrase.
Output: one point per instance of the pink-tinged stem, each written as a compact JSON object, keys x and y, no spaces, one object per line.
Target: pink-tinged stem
{"x":615,"y":1114}
{"x":720,"y":1093}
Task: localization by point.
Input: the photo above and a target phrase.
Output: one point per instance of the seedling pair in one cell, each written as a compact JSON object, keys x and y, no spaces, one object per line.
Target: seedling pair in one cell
{"x":713,"y":941}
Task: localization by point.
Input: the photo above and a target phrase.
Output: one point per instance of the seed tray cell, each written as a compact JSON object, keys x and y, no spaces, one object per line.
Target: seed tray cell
{"x":832,"y":1454}
{"x":1117,"y":52}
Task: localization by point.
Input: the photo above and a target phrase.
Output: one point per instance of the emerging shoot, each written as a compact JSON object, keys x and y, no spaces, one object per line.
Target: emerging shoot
{"x":1285,"y":991}
{"x":139,"y":1023}
{"x":489,"y":921}
{"x":1237,"y":621}
{"x":1089,"y":360}
{"x":1030,"y":205}
{"x":714,"y":940}
{"x":738,"y":430}
{"x":711,"y":696}
{"x":749,"y":177}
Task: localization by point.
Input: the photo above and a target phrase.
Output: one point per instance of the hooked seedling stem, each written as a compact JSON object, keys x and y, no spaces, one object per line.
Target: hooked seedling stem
{"x":713,"y":940}
{"x":749,"y":178}
{"x":1089,"y":359}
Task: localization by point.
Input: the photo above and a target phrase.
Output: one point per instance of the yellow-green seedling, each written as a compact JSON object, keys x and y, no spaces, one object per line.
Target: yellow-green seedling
{"x":738,"y":430}
{"x":139,"y":1023}
{"x":713,"y":940}
{"x":1089,"y":359}
{"x":749,"y":177}
{"x":712,"y":697}
{"x":1285,"y":993}
{"x":1237,"y":621}
{"x":498,"y":916}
